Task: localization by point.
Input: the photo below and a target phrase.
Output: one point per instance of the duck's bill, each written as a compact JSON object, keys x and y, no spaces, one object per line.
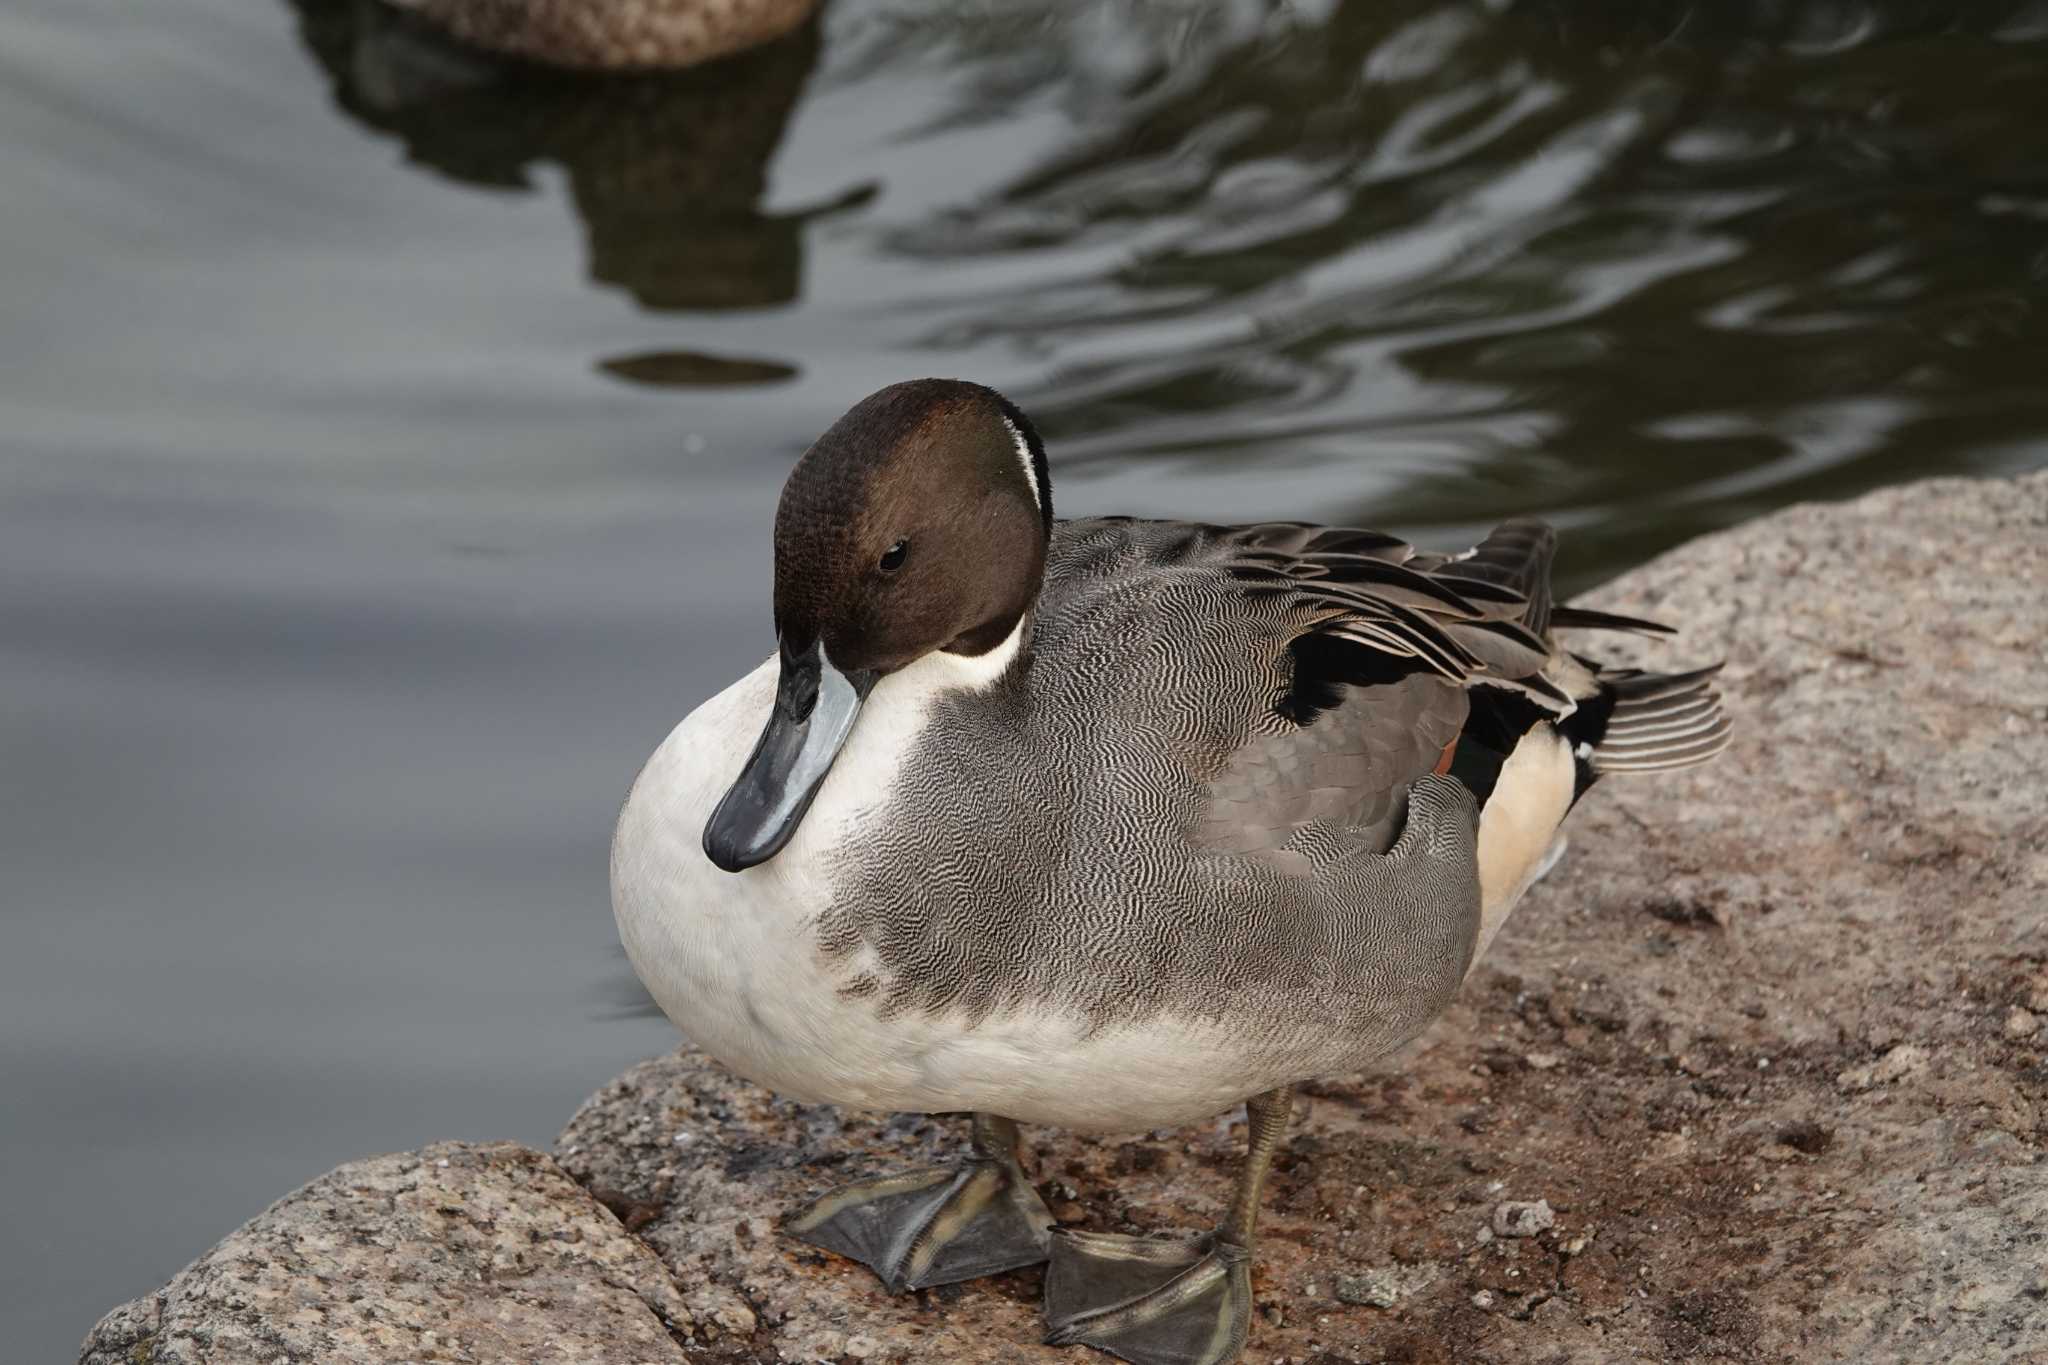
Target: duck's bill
{"x":815,"y":707}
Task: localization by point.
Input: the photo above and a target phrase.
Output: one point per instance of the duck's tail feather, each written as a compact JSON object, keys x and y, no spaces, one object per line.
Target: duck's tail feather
{"x":1585,"y":618}
{"x":1640,"y":722}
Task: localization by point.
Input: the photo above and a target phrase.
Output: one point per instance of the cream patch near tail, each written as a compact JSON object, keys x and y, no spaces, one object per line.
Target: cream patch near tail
{"x":1518,"y":828}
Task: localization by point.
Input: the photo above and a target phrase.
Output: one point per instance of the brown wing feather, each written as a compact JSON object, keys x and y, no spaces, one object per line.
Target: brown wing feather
{"x":1379,"y":647}
{"x":1382,"y":647}
{"x":1470,"y":619}
{"x":1349,"y":769}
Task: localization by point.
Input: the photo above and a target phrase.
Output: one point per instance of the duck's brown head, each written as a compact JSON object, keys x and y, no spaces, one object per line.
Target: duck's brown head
{"x":917,"y":525}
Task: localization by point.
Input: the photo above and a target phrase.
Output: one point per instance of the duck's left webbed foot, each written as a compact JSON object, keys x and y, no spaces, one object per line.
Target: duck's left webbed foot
{"x":1149,"y":1301}
{"x":1155,"y":1302}
{"x":940,"y":1225}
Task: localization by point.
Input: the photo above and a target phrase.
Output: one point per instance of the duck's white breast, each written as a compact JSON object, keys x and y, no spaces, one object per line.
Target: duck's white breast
{"x":733,"y":959}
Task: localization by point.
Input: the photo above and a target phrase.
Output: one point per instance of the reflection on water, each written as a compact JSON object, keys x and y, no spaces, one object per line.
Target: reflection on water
{"x":386,"y":470}
{"x":1645,"y":267}
{"x":665,"y":171}
{"x":1680,"y":259}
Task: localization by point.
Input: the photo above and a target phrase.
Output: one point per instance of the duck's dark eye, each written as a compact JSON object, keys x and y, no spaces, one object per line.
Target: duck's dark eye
{"x":897,"y":553}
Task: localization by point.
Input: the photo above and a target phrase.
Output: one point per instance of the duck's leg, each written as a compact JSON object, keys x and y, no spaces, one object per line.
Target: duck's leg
{"x":939,"y":1225}
{"x":1157,"y":1302}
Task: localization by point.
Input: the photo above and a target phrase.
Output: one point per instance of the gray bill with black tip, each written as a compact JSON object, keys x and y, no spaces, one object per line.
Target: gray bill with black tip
{"x":815,"y":708}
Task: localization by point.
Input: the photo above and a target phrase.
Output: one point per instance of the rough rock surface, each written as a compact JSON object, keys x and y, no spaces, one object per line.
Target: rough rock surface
{"x":1765,"y":1046}
{"x":457,"y":1252}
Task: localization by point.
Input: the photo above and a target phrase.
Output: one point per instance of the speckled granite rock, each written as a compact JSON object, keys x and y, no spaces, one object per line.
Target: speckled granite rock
{"x":457,"y":1252}
{"x":1766,"y":1045}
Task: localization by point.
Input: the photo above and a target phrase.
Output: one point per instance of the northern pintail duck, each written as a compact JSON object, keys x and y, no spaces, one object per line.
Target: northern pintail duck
{"x":1109,"y":824}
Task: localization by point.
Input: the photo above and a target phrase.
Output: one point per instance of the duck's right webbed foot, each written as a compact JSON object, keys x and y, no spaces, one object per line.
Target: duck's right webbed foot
{"x":940,"y":1225}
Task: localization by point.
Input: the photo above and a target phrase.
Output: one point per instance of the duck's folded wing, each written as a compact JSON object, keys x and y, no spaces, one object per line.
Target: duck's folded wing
{"x":1374,"y":650}
{"x":1473,"y":618}
{"x":1338,"y":782}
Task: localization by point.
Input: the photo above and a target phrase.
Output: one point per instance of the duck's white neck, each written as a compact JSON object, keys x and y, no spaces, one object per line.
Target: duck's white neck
{"x":893,"y":716}
{"x":940,"y":671}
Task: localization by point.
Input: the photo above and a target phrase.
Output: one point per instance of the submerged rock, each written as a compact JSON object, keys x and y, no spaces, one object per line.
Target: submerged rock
{"x":1861,"y":877}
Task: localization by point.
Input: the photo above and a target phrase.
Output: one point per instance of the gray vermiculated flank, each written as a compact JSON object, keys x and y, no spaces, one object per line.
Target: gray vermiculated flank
{"x":1107,"y":887}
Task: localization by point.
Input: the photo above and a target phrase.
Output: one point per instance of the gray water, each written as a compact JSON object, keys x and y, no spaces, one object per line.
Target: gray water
{"x":388,"y":446}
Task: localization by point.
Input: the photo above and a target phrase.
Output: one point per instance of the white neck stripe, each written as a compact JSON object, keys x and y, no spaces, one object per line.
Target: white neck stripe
{"x":976,"y":672}
{"x":1024,"y":457}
